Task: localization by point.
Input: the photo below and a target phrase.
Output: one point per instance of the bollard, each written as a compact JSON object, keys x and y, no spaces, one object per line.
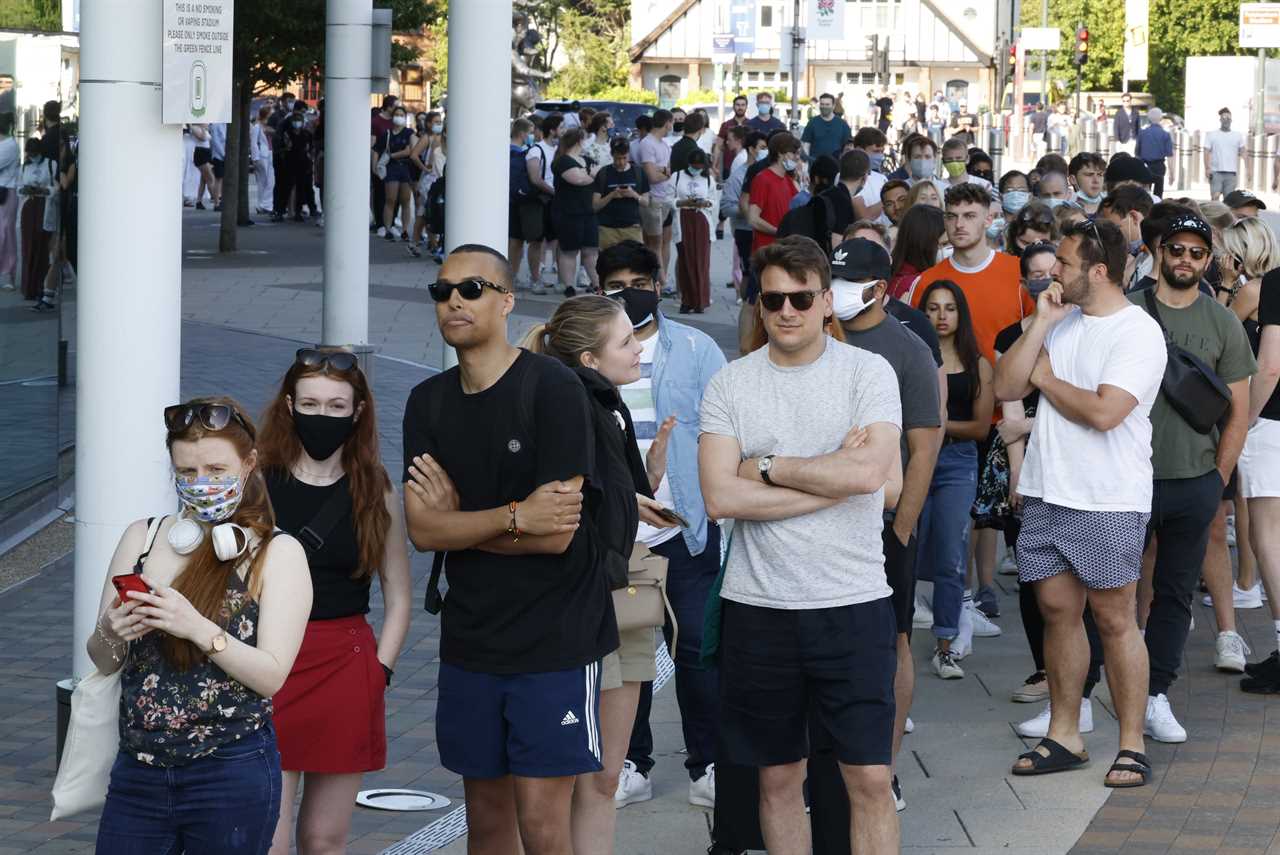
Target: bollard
{"x":1089,"y":132}
{"x":1257,"y":161}
{"x":984,"y":127}
{"x":1107,"y":140}
{"x":1268,"y":170}
{"x":1183,"y":157}
{"x":995,"y":148}
{"x":1197,"y":161}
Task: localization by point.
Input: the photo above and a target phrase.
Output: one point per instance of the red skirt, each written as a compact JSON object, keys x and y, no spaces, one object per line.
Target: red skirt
{"x":329,"y":715}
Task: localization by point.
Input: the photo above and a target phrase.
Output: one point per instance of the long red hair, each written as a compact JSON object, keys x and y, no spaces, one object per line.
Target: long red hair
{"x":204,"y":580}
{"x":279,"y":447}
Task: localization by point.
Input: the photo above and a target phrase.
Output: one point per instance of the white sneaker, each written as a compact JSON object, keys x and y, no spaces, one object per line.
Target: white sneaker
{"x":983,"y":626}
{"x":702,"y":792}
{"x":381,"y":232}
{"x":924,"y":614}
{"x":910,"y":726}
{"x":1250,"y":599}
{"x":962,"y":644}
{"x":1231,"y":529}
{"x":1161,"y":724}
{"x":632,"y":786}
{"x":944,"y":665}
{"x":1038,"y":727}
{"x":1230,"y":652}
{"x":898,"y":801}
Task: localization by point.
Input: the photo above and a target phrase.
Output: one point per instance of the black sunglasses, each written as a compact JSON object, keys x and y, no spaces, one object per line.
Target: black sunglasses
{"x":801,"y":301}
{"x":470,"y":288}
{"x":1177,"y":250}
{"x":179,"y":417}
{"x":338,"y":360}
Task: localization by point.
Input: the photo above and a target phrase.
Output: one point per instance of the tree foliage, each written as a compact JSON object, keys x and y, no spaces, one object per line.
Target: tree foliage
{"x":595,"y":54}
{"x":1105,"y":22}
{"x":42,"y":15}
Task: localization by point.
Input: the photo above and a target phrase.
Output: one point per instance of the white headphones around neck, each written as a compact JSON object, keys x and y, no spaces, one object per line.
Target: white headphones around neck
{"x":186,"y":535}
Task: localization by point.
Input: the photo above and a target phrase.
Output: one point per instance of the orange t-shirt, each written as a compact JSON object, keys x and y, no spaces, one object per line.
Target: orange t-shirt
{"x":996,"y":298}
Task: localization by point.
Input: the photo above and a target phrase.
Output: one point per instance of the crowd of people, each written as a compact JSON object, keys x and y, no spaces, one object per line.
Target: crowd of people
{"x":935,"y":360}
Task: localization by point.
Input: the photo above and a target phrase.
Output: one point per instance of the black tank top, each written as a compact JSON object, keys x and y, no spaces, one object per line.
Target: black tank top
{"x":334,"y":593}
{"x":959,"y":397}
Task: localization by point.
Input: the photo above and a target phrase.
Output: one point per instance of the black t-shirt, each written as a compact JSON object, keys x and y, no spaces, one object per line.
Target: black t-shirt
{"x":1039,"y":121}
{"x":335,"y":593}
{"x":1269,"y":315}
{"x":752,"y":171}
{"x":680,"y":152}
{"x":515,"y":614}
{"x":886,"y":111}
{"x":916,"y":321}
{"x":569,"y":198}
{"x":1005,"y":339}
{"x":842,"y":204}
{"x":620,"y":213}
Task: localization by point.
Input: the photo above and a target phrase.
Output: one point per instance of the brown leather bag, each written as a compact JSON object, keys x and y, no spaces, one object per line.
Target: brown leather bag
{"x":643,"y":602}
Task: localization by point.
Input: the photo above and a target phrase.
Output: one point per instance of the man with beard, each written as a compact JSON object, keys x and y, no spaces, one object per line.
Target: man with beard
{"x":1086,"y":481}
{"x":1190,"y":468}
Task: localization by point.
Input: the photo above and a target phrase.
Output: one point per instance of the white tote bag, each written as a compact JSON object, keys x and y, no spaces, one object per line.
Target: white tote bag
{"x":93,"y":741}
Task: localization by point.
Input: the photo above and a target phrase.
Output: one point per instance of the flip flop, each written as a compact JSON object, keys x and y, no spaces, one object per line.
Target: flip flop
{"x":1140,"y":766}
{"x":1059,"y":759}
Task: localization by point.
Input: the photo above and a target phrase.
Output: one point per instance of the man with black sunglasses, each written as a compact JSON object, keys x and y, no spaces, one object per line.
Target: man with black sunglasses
{"x":498,"y":455}
{"x":1191,"y":468}
{"x":799,"y":440}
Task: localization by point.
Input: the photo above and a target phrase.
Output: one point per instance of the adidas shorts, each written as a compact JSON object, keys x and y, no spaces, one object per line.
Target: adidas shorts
{"x":544,"y":725}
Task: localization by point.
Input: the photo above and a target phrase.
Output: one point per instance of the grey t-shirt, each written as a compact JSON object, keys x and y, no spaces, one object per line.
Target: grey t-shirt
{"x":912,"y":363}
{"x":833,"y":557}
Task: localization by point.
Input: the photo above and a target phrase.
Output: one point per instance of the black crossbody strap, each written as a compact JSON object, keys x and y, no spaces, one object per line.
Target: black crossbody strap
{"x":1150,"y":298}
{"x":313,"y":534}
{"x":153,"y":528}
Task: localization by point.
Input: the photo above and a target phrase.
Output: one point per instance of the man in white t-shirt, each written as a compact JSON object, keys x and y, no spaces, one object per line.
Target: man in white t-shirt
{"x":1222,"y":150}
{"x":1086,"y":480}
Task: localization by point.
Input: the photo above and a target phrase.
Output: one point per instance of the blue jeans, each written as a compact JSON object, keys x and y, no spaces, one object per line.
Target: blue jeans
{"x":943,"y":533}
{"x":227,"y":802}
{"x":689,"y":581}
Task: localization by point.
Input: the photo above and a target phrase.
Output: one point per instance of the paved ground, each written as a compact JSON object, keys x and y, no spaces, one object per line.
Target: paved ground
{"x":1222,"y":789}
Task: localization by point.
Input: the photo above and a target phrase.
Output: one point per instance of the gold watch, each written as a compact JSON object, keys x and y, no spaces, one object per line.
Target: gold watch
{"x":217,"y":645}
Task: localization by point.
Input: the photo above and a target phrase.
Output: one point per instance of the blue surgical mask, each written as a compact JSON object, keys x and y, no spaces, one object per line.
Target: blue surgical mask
{"x":922,"y":168}
{"x":694,"y":171}
{"x":1053,"y":203}
{"x":762,"y":154}
{"x":764,"y":109}
{"x":1135,"y":246}
{"x":877,"y":160}
{"x":1088,"y":200}
{"x":529,"y":139}
{"x":437,"y":128}
{"x":996,"y":228}
{"x":789,"y":164}
{"x":1014,"y":201}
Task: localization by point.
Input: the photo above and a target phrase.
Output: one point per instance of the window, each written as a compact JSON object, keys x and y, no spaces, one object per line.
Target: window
{"x":766,"y":16}
{"x":839,"y":77}
{"x":753,"y":77}
{"x":784,"y":76}
{"x":668,"y":91}
{"x":411,"y":83}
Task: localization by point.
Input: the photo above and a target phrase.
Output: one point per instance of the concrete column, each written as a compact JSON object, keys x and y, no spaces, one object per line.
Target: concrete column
{"x":479,"y":126}
{"x":347,"y":62}
{"x":130,"y":291}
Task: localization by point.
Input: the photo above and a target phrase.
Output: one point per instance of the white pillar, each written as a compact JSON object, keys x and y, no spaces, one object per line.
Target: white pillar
{"x":347,"y":62}
{"x":479,"y":126}
{"x":129,"y":300}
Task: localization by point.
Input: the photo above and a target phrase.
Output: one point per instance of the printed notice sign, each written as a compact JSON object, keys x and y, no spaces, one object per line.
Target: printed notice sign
{"x":197,"y":61}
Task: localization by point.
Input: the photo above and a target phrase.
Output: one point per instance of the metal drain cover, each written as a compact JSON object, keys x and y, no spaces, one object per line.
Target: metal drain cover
{"x":401,"y":800}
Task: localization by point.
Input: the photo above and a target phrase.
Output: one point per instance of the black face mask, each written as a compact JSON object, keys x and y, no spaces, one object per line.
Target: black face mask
{"x":640,"y":304}
{"x":321,"y":436}
{"x":677,"y":127}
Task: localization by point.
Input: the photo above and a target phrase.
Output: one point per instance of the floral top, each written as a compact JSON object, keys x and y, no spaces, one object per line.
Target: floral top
{"x":170,"y":717}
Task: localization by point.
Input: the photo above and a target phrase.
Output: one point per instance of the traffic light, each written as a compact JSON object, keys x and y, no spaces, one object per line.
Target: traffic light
{"x":1082,"y":46}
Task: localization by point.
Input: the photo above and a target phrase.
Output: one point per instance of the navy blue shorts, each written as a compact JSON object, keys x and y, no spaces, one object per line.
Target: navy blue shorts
{"x":544,"y":725}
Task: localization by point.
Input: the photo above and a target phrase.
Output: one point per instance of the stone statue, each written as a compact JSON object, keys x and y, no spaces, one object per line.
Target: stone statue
{"x":524,"y":77}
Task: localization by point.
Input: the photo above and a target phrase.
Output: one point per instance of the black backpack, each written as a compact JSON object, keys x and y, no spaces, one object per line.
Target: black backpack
{"x":435,"y":207}
{"x":814,"y":219}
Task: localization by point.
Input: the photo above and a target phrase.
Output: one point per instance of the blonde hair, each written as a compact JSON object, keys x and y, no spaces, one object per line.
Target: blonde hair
{"x":1252,"y":242}
{"x":579,"y":325}
{"x":1218,"y":215}
{"x":913,"y":195}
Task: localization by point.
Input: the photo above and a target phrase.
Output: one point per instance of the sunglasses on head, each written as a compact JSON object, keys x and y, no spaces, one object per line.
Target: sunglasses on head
{"x":801,"y":301}
{"x":1177,"y":250}
{"x":470,"y":288}
{"x":180,"y":417}
{"x":338,"y":360}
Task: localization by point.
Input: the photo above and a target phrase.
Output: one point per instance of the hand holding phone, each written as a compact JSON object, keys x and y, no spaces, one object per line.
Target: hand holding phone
{"x":126,"y":582}
{"x":671,"y":517}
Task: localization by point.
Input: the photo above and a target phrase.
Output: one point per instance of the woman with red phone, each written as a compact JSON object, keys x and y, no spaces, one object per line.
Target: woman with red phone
{"x":202,"y":614}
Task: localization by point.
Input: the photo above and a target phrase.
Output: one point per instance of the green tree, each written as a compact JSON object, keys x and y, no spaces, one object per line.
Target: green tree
{"x":1105,"y":22}
{"x":1180,"y":30}
{"x":43,"y":15}
{"x":595,"y":52}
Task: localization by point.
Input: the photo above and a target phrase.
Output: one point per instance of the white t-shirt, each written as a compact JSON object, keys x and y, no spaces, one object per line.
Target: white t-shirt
{"x":870,"y":193}
{"x":546,"y":152}
{"x":1078,"y":467}
{"x":1224,"y":150}
{"x":707,"y":140}
{"x":638,"y":397}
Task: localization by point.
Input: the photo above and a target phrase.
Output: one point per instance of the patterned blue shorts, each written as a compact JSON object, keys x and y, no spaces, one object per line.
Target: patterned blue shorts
{"x":1103,"y":549}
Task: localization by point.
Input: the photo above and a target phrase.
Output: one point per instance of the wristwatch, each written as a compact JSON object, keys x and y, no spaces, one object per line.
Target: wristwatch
{"x":764,"y":465}
{"x":217,"y":645}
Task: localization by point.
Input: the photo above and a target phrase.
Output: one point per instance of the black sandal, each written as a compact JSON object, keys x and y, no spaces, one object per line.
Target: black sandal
{"x":1140,"y":766}
{"x":1059,"y":759}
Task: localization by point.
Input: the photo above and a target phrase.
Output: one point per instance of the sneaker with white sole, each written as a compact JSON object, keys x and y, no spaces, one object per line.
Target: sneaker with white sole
{"x":702,"y":792}
{"x":962,"y":644}
{"x":944,"y":665}
{"x":633,"y":787}
{"x":910,"y":726}
{"x":1230,"y":652}
{"x":983,"y":626}
{"x":1033,"y":690}
{"x":898,"y":801}
{"x":924,"y":614}
{"x":1038,"y":727}
{"x":1161,"y":725}
{"x":1241,"y":598}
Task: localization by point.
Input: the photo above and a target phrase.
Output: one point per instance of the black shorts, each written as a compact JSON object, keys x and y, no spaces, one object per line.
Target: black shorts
{"x":576,"y":231}
{"x":778,"y":664}
{"x":1233,"y":486}
{"x":529,"y":219}
{"x":201,"y":155}
{"x":219,"y":167}
{"x":899,"y":570}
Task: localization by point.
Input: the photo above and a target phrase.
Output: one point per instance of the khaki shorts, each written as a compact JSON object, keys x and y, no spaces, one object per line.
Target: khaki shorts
{"x":657,"y":216}
{"x":610,"y":235}
{"x":633,"y":662}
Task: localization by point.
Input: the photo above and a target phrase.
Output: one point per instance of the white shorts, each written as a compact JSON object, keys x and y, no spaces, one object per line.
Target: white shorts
{"x":1260,"y":461}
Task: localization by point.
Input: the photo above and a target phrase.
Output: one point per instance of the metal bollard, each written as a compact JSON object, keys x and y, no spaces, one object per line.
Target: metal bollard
{"x":995,"y":148}
{"x":1197,"y":161}
{"x":1257,"y":162}
{"x":984,"y":126}
{"x":1107,"y":140}
{"x":1273,"y":149}
{"x":1089,"y":132}
{"x":1183,"y":155}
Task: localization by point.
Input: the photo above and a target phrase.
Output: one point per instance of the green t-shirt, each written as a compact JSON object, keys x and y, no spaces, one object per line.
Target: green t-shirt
{"x":1212,"y":332}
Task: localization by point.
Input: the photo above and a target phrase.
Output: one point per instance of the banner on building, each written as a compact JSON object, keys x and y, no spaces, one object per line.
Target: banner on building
{"x":826,"y":20}
{"x":197,"y":61}
{"x":1135,"y":39}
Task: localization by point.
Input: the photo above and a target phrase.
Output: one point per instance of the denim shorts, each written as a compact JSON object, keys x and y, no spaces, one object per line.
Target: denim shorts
{"x":226,"y":803}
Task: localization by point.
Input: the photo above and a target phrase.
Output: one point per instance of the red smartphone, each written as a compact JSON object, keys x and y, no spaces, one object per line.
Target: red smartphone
{"x":129,"y":582}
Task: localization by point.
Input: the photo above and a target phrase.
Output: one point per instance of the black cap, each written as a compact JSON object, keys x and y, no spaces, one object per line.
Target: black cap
{"x":860,"y":260}
{"x":1128,"y":168}
{"x":1189,"y":223}
{"x":1240,"y":198}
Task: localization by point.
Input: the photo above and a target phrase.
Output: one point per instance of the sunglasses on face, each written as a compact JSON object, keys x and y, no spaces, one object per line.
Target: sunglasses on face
{"x":338,"y":360}
{"x":470,"y":288}
{"x":801,"y":301}
{"x":1177,"y":250}
{"x":215,"y":417}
